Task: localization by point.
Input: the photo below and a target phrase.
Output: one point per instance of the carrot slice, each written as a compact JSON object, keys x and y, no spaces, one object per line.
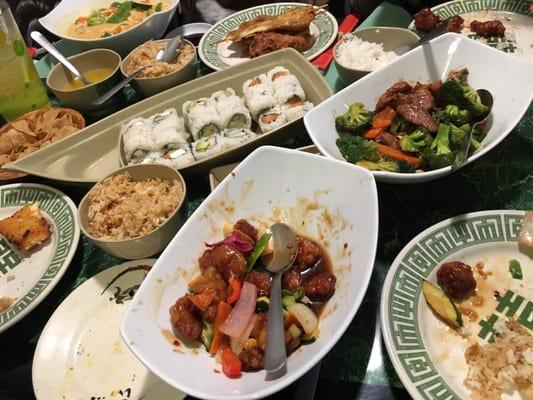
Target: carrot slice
{"x":223,"y":310}
{"x":203,"y":300}
{"x":196,"y":280}
{"x":384,"y":118}
{"x":372,"y":133}
{"x":398,"y":155}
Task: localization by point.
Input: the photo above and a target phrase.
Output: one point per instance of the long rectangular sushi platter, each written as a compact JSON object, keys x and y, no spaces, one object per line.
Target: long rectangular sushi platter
{"x":98,"y":150}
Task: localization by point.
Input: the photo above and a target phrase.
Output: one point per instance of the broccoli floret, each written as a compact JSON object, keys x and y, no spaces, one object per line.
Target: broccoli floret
{"x":399,"y":125}
{"x":458,"y":135}
{"x":387,"y":165}
{"x":434,"y":161}
{"x":356,"y":148}
{"x":477,"y":137}
{"x":416,"y":140}
{"x":457,"y":91}
{"x":441,"y":143}
{"x":453,"y":115}
{"x":354,"y":121}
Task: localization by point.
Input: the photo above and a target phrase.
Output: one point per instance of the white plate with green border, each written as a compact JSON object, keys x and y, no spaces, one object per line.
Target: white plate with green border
{"x":428,"y":355}
{"x":80,"y":354}
{"x":27,"y":278}
{"x":218,"y":54}
{"x":514,"y":14}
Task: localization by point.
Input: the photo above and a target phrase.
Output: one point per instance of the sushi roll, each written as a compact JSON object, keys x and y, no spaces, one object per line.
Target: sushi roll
{"x":285,"y":85}
{"x":202,"y":118}
{"x":178,"y":158}
{"x":259,"y":94}
{"x":169,"y":129}
{"x":271,"y":119}
{"x":233,"y":113}
{"x":137,"y":138}
{"x":206,"y":147}
{"x":235,"y":137}
{"x":296,"y":109}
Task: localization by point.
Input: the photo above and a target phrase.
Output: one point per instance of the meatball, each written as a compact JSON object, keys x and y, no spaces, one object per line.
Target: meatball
{"x":308,"y":254}
{"x":320,"y":287}
{"x":225,"y":259}
{"x":210,"y":313}
{"x":291,"y":279}
{"x":261,"y":280}
{"x":455,"y":24}
{"x":291,"y":342}
{"x":211,"y":279}
{"x":488,"y":28}
{"x":251,"y":359}
{"x":456,"y":279}
{"x":259,"y":331}
{"x":243,"y":226}
{"x":426,"y":20}
{"x":184,"y":319}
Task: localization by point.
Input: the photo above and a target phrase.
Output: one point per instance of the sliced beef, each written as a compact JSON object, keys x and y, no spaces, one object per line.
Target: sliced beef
{"x":291,"y":279}
{"x":243,"y":226}
{"x":225,"y":259}
{"x":184,"y":319}
{"x":426,"y":20}
{"x":261,"y":280}
{"x":252,"y":359}
{"x":391,"y":96}
{"x":488,"y":28}
{"x":418,"y":116}
{"x":320,"y":287}
{"x":422,"y":98}
{"x":455,"y":24}
{"x":388,"y":139}
{"x":308,"y":254}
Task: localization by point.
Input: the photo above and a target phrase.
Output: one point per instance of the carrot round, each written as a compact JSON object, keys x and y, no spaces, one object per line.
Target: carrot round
{"x":223,"y":310}
{"x":398,"y":155}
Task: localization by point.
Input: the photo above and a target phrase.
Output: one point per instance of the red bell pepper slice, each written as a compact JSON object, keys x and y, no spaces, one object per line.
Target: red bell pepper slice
{"x":235,"y":294}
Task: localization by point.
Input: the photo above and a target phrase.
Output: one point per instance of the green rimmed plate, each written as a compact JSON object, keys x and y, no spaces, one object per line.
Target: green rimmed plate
{"x":427,"y":355}
{"x":514,"y":14}
{"x":219,"y":55}
{"x":28,"y":278}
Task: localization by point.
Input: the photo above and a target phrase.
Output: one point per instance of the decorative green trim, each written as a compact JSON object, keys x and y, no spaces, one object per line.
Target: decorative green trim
{"x":58,"y":209}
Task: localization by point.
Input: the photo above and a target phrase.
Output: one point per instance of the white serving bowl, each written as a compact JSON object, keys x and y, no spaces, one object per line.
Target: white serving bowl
{"x":59,"y":19}
{"x":320,"y":205}
{"x":508,"y":78}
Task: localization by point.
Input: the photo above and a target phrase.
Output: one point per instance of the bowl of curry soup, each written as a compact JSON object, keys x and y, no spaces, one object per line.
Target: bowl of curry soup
{"x":119,"y":25}
{"x":99,"y":66}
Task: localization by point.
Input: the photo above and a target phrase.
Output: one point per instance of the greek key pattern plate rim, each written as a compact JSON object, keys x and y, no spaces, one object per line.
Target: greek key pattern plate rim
{"x":207,"y":49}
{"x":62,"y":210}
{"x":401,"y":292}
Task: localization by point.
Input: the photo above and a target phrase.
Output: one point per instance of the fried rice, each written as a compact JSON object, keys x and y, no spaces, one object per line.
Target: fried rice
{"x":121,"y":208}
{"x":502,"y":366}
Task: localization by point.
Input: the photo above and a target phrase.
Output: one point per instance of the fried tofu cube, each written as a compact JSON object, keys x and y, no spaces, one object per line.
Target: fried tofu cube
{"x":26,"y":228}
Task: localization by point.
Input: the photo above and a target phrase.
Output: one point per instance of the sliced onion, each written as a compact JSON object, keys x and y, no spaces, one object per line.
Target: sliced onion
{"x":237,"y":344}
{"x":305,"y":316}
{"x":238,"y":319}
{"x":234,"y":241}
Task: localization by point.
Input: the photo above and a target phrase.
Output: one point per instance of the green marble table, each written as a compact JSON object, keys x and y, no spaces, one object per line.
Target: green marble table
{"x":502,"y":179}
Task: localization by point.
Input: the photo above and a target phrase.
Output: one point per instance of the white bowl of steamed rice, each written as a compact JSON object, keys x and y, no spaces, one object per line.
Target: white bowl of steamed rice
{"x":134,"y":212}
{"x":366,"y":50}
{"x":157,"y":76}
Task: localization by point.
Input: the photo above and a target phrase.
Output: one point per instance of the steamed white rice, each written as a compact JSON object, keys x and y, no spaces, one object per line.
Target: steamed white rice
{"x":356,"y":53}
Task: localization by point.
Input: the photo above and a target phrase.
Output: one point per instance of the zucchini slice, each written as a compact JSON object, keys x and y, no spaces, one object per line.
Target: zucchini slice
{"x":443,"y":306}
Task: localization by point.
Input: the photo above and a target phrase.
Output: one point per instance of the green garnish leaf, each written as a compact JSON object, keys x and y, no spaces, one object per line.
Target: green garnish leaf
{"x":260,"y":246}
{"x":123,"y":12}
{"x":18,"y":47}
{"x":158,"y":7}
{"x":515,"y":269}
{"x":95,"y":18}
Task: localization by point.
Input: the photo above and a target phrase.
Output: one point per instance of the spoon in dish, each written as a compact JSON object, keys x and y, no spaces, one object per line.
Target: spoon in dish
{"x":39,"y":38}
{"x":166,"y":55}
{"x":488,"y":100}
{"x":284,"y":254}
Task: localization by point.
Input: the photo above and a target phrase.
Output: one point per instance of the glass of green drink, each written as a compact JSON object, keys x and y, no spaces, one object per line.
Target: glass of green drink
{"x":21,"y":89}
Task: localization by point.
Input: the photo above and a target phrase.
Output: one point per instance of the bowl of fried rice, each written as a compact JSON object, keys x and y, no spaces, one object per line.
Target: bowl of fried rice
{"x":157,"y":76}
{"x":134,"y":212}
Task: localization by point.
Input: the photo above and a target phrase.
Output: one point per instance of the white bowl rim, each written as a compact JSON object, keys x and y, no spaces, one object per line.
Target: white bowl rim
{"x":99,"y":40}
{"x":436,"y":173}
{"x":149,"y":78}
{"x":116,"y":172}
{"x":278,"y":384}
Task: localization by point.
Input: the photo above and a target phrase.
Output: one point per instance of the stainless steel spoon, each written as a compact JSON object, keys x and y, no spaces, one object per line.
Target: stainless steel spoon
{"x":462,"y":156}
{"x":165,"y":55}
{"x":39,"y":38}
{"x":439,"y":29}
{"x":284,"y":254}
